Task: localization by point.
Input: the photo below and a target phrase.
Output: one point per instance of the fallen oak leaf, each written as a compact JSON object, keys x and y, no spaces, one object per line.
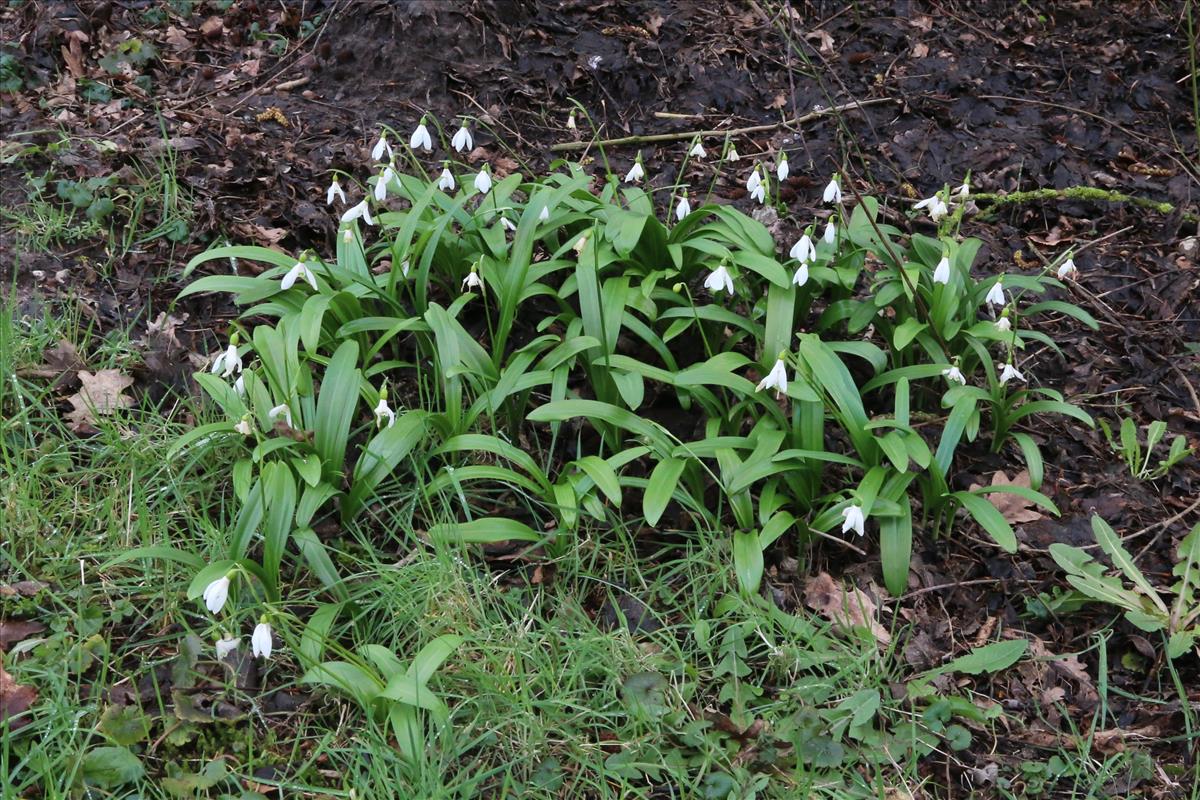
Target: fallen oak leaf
{"x":15,"y":630}
{"x":853,"y":608}
{"x":101,"y":394}
{"x":1013,"y":507}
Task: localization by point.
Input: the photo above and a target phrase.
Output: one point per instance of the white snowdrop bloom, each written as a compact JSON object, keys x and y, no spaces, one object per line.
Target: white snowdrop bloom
{"x":833,"y":191}
{"x":1008,"y":372}
{"x":446,"y":180}
{"x":239,"y":386}
{"x":334,"y":190}
{"x":380,"y":148}
{"x":226,"y":645}
{"x":754,"y":181}
{"x":544,"y":214}
{"x":383,"y":411}
{"x":636,"y":173}
{"x":216,"y":593}
{"x":697,"y":150}
{"x":1004,"y":325}
{"x":830,"y":236}
{"x":853,"y":520}
{"x":508,"y":224}
{"x":801,"y":276}
{"x":420,"y":138}
{"x":776,"y":379}
{"x":942,"y":273}
{"x":483,"y":181}
{"x":472,"y":281}
{"x":462,"y":141}
{"x":361,"y":211}
{"x":719,"y":280}
{"x":571,"y":125}
{"x":228,"y":361}
{"x":404,"y":267}
{"x":580,"y":243}
{"x":260,"y":640}
{"x":962,"y":192}
{"x":955,"y":374}
{"x":732,"y":154}
{"x":244,"y":427}
{"x":381,"y":191}
{"x":781,"y":169}
{"x":281,"y":410}
{"x":759,"y":194}
{"x":995,"y":295}
{"x":1068,"y":271}
{"x":935,"y":205}
{"x":803,"y":249}
{"x":682,"y":208}
{"x":300,"y":270}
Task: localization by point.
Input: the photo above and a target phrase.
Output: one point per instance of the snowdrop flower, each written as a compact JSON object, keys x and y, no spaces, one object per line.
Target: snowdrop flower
{"x":383,"y":410}
{"x":229,"y":361}
{"x":544,"y":214}
{"x":507,"y":223}
{"x":697,"y":150}
{"x":719,"y":279}
{"x":420,"y":137}
{"x":955,"y":374}
{"x":244,"y":427}
{"x":1068,"y":271}
{"x":1003,"y":324}
{"x":260,"y":640}
{"x":300,"y":270}
{"x":381,"y":147}
{"x":833,"y":191}
{"x":281,"y":410}
{"x":462,"y":141}
{"x":334,"y":190}
{"x":754,"y":181}
{"x":682,"y":208}
{"x":937,"y":208}
{"x":801,"y":276}
{"x":216,"y":593}
{"x":1008,"y":372}
{"x":830,"y":236}
{"x":483,"y":181}
{"x":962,"y":192}
{"x":226,"y":645}
{"x":776,"y":379}
{"x":361,"y":211}
{"x":580,"y":243}
{"x":732,"y":153}
{"x":446,"y":180}
{"x":472,"y":281}
{"x":571,"y":121}
{"x":942,"y":273}
{"x":239,"y":386}
{"x":381,"y":185}
{"x":636,"y":173}
{"x":781,"y":169}
{"x":803,"y":249}
{"x":854,"y":520}
{"x":404,"y":267}
{"x":995,"y":295}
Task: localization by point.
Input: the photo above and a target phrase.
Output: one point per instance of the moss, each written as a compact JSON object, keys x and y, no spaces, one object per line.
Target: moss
{"x":1087,"y":193}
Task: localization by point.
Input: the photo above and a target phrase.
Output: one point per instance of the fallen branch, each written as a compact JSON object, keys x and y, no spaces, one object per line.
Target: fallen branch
{"x":680,"y":135}
{"x":1088,"y":193}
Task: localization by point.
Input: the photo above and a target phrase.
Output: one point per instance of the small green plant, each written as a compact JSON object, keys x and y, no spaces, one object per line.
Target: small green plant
{"x":1138,"y":458}
{"x":1144,"y":606}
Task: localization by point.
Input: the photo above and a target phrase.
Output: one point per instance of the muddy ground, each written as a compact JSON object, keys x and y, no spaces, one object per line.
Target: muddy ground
{"x":259,"y":102}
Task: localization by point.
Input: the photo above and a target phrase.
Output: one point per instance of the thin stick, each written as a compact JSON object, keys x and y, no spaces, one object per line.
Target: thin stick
{"x":680,"y":135}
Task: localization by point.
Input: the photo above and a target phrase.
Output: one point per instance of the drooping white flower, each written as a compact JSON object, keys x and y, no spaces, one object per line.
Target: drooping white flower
{"x":216,"y":593}
{"x":995,"y":295}
{"x":508,"y":224}
{"x":239,"y":386}
{"x":937,"y":207}
{"x":334,"y":190}
{"x":1004,"y":325}
{"x":571,"y":125}
{"x":732,"y":153}
{"x":853,"y":519}
{"x":697,"y":150}
{"x":244,"y":427}
{"x":420,"y":137}
{"x":580,"y":243}
{"x":833,"y":191}
{"x":462,"y":141}
{"x":962,"y":192}
{"x":381,"y":186}
{"x":942,"y":273}
{"x":776,"y":379}
{"x":781,"y":169}
{"x":226,"y":645}
{"x":446,"y":180}
{"x":281,"y":410}
{"x":754,"y":181}
{"x":1008,"y":372}
{"x":719,"y":280}
{"x":404,"y":267}
{"x":801,"y":276}
{"x":682,"y":208}
{"x":260,"y":640}
{"x":381,"y":147}
{"x":955,"y":374}
{"x":1067,"y":270}
{"x":803,"y":249}
{"x":361,"y":211}
{"x":483,"y":181}
{"x":300,"y":270}
{"x":383,"y":411}
{"x":472,"y":281}
{"x":636,"y":173}
{"x":228,"y":361}
{"x":544,"y":214}
{"x":830,"y":232}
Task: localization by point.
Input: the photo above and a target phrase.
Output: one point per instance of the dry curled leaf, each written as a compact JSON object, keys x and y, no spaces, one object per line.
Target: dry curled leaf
{"x":100,"y":394}
{"x":849,"y":608}
{"x":1013,"y":507}
{"x":15,"y":699}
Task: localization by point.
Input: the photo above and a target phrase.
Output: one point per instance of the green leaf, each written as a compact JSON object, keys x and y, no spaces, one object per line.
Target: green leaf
{"x":661,"y":486}
{"x":989,"y":658}
{"x":314,"y":553}
{"x":336,"y":405}
{"x":431,"y":657}
{"x":111,"y":767}
{"x":380,"y":458}
{"x":895,"y":548}
{"x":485,"y":531}
{"x":990,"y":519}
{"x":1110,"y":543}
{"x":603,"y":475}
{"x":747,"y":560}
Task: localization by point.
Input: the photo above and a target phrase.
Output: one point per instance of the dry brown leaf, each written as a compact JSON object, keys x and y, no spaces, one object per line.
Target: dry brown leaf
{"x":654,"y":23}
{"x":848,"y":608}
{"x":15,"y":699}
{"x":824,"y":38}
{"x":100,"y":394}
{"x":920,"y":50}
{"x":14,"y":630}
{"x":1012,"y":507}
{"x":779,"y":102}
